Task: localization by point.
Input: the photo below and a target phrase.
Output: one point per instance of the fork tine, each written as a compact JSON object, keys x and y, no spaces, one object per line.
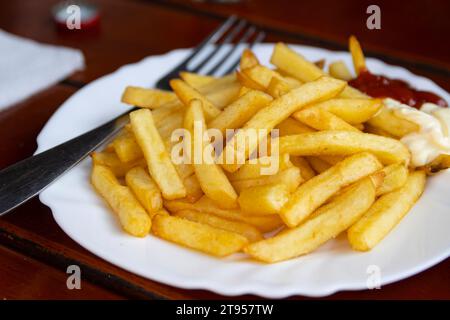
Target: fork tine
{"x":250,"y":31}
{"x":228,"y":39}
{"x":258,"y":39}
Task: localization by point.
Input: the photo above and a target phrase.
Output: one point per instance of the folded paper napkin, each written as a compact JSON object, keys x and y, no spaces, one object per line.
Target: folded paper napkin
{"x":27,"y":67}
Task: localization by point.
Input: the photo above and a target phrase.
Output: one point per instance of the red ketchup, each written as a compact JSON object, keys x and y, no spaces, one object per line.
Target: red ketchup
{"x":383,"y":87}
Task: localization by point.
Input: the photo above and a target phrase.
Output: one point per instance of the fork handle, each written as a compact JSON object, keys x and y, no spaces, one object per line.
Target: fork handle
{"x":25,"y":179}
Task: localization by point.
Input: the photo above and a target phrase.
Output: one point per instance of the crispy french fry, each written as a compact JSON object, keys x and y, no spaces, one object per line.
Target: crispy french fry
{"x":147,"y":98}
{"x":240,"y":111}
{"x":278,"y":87}
{"x":277,"y":111}
{"x":395,"y":178}
{"x":386,"y":213}
{"x":167,"y":111}
{"x":248,"y":60}
{"x":196,"y":80}
{"x":198,"y":236}
{"x":263,"y":223}
{"x":326,"y":223}
{"x":292,"y":126}
{"x":305,"y":169}
{"x":132,"y":215}
{"x":253,"y":169}
{"x":442,"y":162}
{"x":268,"y":199}
{"x":171,"y":123}
{"x":353,"y":111}
{"x":344,"y":143}
{"x":126,"y":147}
{"x":318,"y":164}
{"x":193,"y":189}
{"x":145,"y":189}
{"x":331,"y":159}
{"x":359,"y":62}
{"x":186,"y":93}
{"x":242,"y":228}
{"x":291,"y":177}
{"x":210,"y":175}
{"x":321,"y":119}
{"x":391,"y":124}
{"x":313,"y":193}
{"x":112,"y":161}
{"x":158,"y":160}
{"x":262,"y":75}
{"x":339,"y":70}
{"x":248,"y":82}
{"x":224,"y":95}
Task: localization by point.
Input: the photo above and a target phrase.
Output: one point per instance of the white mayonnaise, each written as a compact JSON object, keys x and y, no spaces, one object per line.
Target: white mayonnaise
{"x":432,"y":139}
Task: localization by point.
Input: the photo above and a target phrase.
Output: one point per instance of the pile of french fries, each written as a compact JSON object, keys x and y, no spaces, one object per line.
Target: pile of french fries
{"x":341,"y":166}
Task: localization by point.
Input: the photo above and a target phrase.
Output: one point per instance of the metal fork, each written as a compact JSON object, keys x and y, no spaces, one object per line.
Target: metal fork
{"x":27,"y":178}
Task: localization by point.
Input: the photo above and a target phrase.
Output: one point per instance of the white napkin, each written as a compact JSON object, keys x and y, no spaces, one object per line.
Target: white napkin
{"x":27,"y":67}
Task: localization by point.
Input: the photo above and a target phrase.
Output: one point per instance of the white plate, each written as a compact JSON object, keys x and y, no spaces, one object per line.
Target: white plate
{"x":421,"y":240}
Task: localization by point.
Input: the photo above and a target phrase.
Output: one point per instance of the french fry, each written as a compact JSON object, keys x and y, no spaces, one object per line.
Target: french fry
{"x":263,"y":223}
{"x":313,"y":193}
{"x":344,"y":143}
{"x":198,"y":236}
{"x":168,"y":110}
{"x":126,"y":147}
{"x":352,"y":111}
{"x":240,"y":111}
{"x":339,"y":70}
{"x":292,"y":126}
{"x":158,"y":159}
{"x":132,"y":215}
{"x":442,"y":162}
{"x":210,"y":175}
{"x":386,"y":213}
{"x":318,"y":164}
{"x":196,"y":80}
{"x":305,"y":169}
{"x":242,"y":228}
{"x":291,"y":177}
{"x":331,"y":159}
{"x":277,"y":111}
{"x":224,"y":95}
{"x":262,"y":75}
{"x":359,"y":62}
{"x":147,"y":98}
{"x":248,"y":82}
{"x":186,"y":93}
{"x":267,"y":199}
{"x":112,"y":161}
{"x":253,"y":168}
{"x":391,"y":124}
{"x":248,"y":60}
{"x":170,"y":124}
{"x":145,"y":189}
{"x":278,"y":87}
{"x":326,"y":223}
{"x":395,"y":178}
{"x":321,"y":119}
{"x":193,"y":189}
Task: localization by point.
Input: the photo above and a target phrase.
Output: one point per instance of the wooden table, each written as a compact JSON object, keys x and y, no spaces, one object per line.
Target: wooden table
{"x":35,"y":253}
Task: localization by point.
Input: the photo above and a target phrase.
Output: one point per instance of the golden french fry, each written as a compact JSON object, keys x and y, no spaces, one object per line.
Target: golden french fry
{"x":359,"y":62}
{"x":223,"y":95}
{"x":147,"y":98}
{"x":268,"y":199}
{"x":186,"y":93}
{"x":278,"y":87}
{"x":339,"y":70}
{"x":205,"y":205}
{"x":353,"y":111}
{"x":321,"y":119}
{"x":248,"y":60}
{"x":442,"y":162}
{"x":193,"y":189}
{"x":291,"y":177}
{"x":126,"y":147}
{"x":112,"y":161}
{"x":158,"y":160}
{"x":254,"y":168}
{"x":391,"y":124}
{"x":210,"y":175}
{"x":344,"y":143}
{"x":292,"y":126}
{"x":305,"y":169}
{"x":240,"y":111}
{"x":331,"y":159}
{"x":198,"y":236}
{"x":196,"y":80}
{"x":386,"y":213}
{"x":262,"y":75}
{"x":248,"y":82}
{"x":318,"y":164}
{"x":132,"y":215}
{"x":242,"y":228}
{"x":277,"y":111}
{"x":395,"y":177}
{"x":313,"y":193}
{"x":171,"y":123}
{"x":145,"y":189}
{"x":325,"y":223}
{"x":168,"y":110}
